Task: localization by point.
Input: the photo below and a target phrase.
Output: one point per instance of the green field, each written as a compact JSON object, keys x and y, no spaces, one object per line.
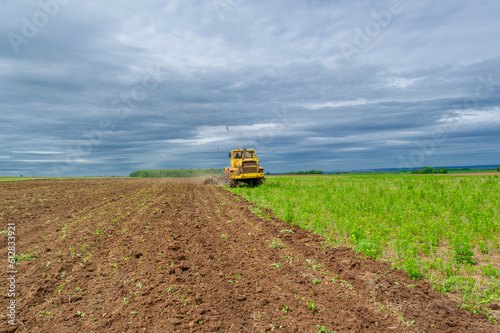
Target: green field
{"x":445,"y":228}
{"x":176,"y":173}
{"x":11,"y":179}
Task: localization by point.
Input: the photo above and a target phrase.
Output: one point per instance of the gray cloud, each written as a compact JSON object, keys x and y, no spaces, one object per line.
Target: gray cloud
{"x":108,"y":88}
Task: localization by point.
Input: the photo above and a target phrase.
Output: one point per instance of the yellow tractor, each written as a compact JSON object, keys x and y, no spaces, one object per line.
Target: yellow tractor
{"x":244,"y":168}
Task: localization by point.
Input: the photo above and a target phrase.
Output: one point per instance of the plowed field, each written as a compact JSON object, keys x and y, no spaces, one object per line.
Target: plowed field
{"x":142,"y":255}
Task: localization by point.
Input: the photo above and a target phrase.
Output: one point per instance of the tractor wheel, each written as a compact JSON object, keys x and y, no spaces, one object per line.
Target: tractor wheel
{"x":232,"y":183}
{"x":258,"y":181}
{"x":225,"y":179}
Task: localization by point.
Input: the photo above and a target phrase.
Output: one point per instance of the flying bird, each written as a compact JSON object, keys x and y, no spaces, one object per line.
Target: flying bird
{"x":227,"y":128}
{"x":162,"y":157}
{"x":273,"y":150}
{"x":218,"y":149}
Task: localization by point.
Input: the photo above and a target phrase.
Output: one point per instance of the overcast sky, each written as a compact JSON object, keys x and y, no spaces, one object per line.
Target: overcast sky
{"x":110,"y":87}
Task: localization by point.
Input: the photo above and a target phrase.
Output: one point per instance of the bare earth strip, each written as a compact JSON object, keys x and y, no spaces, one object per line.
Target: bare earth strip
{"x":142,"y":255}
{"x":492,"y":173}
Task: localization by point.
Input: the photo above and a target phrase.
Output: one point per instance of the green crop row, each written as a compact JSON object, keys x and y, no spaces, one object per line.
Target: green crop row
{"x":11,"y":179}
{"x":445,"y":228}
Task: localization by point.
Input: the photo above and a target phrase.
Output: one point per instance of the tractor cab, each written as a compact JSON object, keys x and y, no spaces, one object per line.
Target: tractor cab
{"x":242,"y":154}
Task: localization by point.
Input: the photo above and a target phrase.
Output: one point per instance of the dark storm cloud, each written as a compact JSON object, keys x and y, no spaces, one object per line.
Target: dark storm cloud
{"x":108,"y":88}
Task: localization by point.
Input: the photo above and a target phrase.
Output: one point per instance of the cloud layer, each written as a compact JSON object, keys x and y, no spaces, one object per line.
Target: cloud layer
{"x":108,"y":88}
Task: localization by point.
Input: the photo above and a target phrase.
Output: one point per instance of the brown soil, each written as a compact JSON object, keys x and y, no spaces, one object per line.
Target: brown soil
{"x":142,"y":255}
{"x":491,"y":173}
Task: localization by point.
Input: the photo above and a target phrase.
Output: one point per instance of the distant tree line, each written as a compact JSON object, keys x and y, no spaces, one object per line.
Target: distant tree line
{"x":175,"y":173}
{"x":310,"y":172}
{"x":498,"y":169}
{"x":427,"y":169}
